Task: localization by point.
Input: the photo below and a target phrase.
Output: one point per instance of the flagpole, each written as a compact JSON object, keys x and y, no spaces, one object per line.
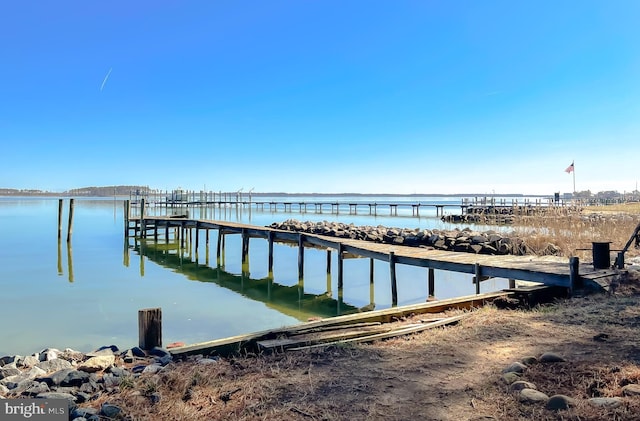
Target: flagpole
{"x":573,"y":163}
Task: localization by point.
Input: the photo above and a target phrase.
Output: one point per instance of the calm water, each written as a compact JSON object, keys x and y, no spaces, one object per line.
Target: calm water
{"x":87,"y":294}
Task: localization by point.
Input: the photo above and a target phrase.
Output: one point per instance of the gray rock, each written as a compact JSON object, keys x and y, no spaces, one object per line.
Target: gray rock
{"x":75,"y":378}
{"x":510,"y":377}
{"x":152,"y":369}
{"x":207,"y":361}
{"x":532,"y":396}
{"x":529,"y":360}
{"x":98,"y":363}
{"x":558,"y":402}
{"x":57,"y":395}
{"x":54,"y":365}
{"x":550,"y":357}
{"x":56,"y":378}
{"x":520,"y":384}
{"x":49,"y":354}
{"x":100,"y":353}
{"x":3,"y":389}
{"x":109,"y":410}
{"x":7,"y":359}
{"x":83,"y":412}
{"x":30,"y":361}
{"x":608,"y":403}
{"x":36,"y":388}
{"x":9,"y":371}
{"x":631,"y":390}
{"x":516,"y":367}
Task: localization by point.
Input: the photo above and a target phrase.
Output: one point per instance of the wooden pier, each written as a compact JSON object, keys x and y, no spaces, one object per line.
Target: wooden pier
{"x":547,"y":270}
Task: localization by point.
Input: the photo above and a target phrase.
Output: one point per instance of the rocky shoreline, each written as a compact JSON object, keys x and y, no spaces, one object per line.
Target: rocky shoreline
{"x":458,"y":240}
{"x":86,"y":380}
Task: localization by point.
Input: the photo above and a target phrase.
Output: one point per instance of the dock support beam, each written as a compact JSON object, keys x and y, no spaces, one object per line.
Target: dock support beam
{"x":392,"y":273}
{"x":431,"y":286}
{"x":300,"y":258}
{"x":270,"y":265}
{"x":340,"y":266}
{"x":478,"y":271}
{"x":70,"y":227}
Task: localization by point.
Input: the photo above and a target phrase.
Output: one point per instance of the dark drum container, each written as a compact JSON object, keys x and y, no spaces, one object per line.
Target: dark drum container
{"x":601,"y":255}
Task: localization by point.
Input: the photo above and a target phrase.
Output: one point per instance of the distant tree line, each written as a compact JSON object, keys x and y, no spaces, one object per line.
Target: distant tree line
{"x":105,"y":191}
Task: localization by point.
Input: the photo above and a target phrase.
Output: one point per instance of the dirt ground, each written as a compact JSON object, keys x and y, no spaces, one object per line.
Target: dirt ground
{"x":451,"y":373}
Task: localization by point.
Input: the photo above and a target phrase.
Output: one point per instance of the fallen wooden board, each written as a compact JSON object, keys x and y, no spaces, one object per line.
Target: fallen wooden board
{"x":391,"y":334}
{"x":235,"y":344}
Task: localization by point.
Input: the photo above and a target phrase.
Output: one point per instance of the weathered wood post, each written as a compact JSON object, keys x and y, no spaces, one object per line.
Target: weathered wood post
{"x":143,"y":224}
{"x":371,"y":273}
{"x":329,"y":271}
{"x":392,"y":273}
{"x":300,"y":258}
{"x":245,"y":252}
{"x":127,"y":210}
{"x":478,"y":272}
{"x":270,"y":262}
{"x":59,"y":219}
{"x":574,"y":274}
{"x":340,"y":266}
{"x":431,"y":284}
{"x":150,"y":328}
{"x":70,"y":227}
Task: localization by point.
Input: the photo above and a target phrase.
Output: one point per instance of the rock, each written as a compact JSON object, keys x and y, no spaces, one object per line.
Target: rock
{"x":138,"y":352}
{"x":152,"y":369}
{"x":113,"y":348}
{"x":558,"y":402}
{"x":83,"y":412}
{"x":510,"y":377}
{"x":36,"y":389}
{"x":75,"y":378}
{"x":98,"y":363}
{"x":109,"y":410}
{"x":550,"y":357}
{"x":58,"y":395}
{"x":159,"y":352}
{"x":9,"y":371}
{"x":631,"y":390}
{"x":118,"y":371}
{"x":520,"y":384}
{"x":155,"y":397}
{"x":100,"y":352}
{"x":56,"y":378}
{"x":532,"y":396}
{"x":608,"y":403}
{"x":54,"y":365}
{"x":7,"y":359}
{"x":516,"y":367}
{"x":529,"y":360}
{"x":30,"y":361}
{"x":49,"y":354}
{"x":207,"y":361}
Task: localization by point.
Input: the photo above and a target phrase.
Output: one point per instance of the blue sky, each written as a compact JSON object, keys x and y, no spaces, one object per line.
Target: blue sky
{"x":321,"y":96}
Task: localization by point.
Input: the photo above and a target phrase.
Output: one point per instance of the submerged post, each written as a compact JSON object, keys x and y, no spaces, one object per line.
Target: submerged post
{"x":478,"y":271}
{"x":150,"y":328}
{"x":59,"y":219}
{"x":127,"y":210}
{"x":340,"y":266}
{"x":431,"y":287}
{"x":70,"y":227}
{"x":270,"y":263}
{"x":300,"y":257}
{"x":392,"y":273}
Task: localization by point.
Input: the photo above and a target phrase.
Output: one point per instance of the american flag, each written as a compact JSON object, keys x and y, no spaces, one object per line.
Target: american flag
{"x":569,"y":168}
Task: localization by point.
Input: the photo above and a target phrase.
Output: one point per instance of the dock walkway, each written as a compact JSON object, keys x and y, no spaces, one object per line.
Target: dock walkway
{"x":547,"y":270}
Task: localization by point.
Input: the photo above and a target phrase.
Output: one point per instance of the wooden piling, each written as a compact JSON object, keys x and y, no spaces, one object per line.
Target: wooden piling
{"x":150,"y":328}
{"x":59,"y":219}
{"x":143,"y":224}
{"x":392,"y":273}
{"x":300,"y":257}
{"x":340,"y":266}
{"x":478,"y":272}
{"x":431,"y":283}
{"x":371,"y":274}
{"x":574,"y":274}
{"x":270,"y":263}
{"x":70,"y":227}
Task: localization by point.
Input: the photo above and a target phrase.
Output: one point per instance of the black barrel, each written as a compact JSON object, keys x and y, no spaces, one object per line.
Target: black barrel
{"x":601,"y":257}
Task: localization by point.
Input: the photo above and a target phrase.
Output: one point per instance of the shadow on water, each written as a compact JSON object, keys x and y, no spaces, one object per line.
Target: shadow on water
{"x":289,"y":300}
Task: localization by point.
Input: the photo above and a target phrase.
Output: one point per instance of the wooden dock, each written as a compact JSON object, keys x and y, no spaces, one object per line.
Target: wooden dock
{"x":547,"y":270}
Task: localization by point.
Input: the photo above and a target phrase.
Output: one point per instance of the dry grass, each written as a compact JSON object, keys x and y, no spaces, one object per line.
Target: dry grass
{"x":572,"y":235}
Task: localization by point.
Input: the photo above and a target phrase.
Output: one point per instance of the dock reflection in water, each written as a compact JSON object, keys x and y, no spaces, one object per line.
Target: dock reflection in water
{"x":289,"y":300}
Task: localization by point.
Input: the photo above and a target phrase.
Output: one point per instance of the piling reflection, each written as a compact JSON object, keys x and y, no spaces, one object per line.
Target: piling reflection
{"x":289,"y":300}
